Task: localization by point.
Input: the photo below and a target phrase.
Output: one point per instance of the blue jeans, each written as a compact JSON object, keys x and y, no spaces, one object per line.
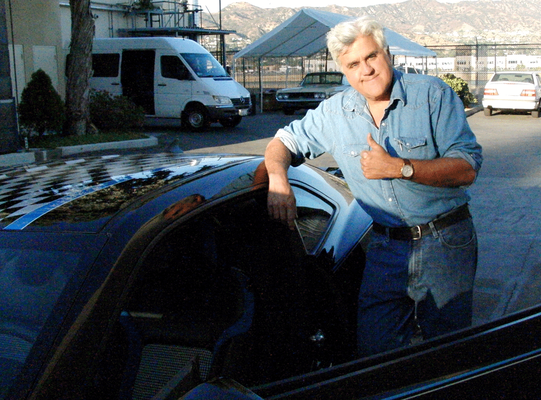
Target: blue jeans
{"x":410,"y":285}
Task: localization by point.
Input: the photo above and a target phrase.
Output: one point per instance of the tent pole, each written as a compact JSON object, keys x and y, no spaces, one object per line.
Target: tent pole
{"x":260,"y":84}
{"x":326,"y":58}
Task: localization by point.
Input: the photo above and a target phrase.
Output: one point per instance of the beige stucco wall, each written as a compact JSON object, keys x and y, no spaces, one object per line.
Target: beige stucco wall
{"x":34,"y":38}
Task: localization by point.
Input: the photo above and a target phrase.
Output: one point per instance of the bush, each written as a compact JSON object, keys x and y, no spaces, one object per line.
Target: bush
{"x":460,"y":86}
{"x":41,"y":108}
{"x":114,"y":112}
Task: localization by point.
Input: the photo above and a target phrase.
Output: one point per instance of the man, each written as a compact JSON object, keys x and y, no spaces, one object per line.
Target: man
{"x":405,"y":148}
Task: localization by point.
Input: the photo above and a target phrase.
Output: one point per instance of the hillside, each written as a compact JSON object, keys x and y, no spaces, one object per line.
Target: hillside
{"x":427,"y":22}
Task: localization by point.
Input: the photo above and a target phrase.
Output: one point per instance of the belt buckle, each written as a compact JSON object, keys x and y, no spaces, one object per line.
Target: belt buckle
{"x":416,"y":232}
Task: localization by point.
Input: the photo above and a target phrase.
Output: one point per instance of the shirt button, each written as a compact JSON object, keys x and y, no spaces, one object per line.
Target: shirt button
{"x":390,"y":199}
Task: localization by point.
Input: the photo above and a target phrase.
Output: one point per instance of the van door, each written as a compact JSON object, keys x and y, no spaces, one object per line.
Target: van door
{"x":174,"y":87}
{"x":137,"y":78}
{"x":106,"y":73}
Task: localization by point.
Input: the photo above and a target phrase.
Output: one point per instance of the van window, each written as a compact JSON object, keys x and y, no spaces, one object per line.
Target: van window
{"x":204,"y":65}
{"x":173,"y":68}
{"x":105,"y":65}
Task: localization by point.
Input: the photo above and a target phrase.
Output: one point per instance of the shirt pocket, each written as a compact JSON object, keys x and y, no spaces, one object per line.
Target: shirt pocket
{"x":412,"y":145}
{"x":354,"y":149}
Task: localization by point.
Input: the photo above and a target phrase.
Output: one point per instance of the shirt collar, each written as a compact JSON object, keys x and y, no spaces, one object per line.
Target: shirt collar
{"x":355,"y":101}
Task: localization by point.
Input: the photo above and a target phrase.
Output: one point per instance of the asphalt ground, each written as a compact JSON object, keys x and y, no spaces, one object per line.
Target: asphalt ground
{"x":505,"y":198}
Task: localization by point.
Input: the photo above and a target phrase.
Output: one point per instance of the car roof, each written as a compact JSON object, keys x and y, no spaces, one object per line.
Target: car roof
{"x":84,"y":194}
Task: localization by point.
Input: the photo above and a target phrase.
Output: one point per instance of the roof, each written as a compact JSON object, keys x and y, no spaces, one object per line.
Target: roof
{"x":85,"y":193}
{"x":304,"y":34}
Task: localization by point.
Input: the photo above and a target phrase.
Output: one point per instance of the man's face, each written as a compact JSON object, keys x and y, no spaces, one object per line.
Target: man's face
{"x":368,"y":69}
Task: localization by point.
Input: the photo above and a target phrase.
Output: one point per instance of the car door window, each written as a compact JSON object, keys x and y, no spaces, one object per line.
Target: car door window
{"x":172,"y":67}
{"x":313,"y":218}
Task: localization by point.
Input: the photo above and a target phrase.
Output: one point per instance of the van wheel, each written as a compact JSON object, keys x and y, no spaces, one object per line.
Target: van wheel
{"x":231,"y":122}
{"x":196,"y":118}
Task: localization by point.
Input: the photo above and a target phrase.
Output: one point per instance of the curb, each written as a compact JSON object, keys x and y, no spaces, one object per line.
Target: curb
{"x":29,"y":157}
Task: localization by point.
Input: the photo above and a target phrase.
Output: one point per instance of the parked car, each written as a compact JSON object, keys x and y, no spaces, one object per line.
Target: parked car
{"x":161,"y":276}
{"x":314,"y":88}
{"x":513,"y":91}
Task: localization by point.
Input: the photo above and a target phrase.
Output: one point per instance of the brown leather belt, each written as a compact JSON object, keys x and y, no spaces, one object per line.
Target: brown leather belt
{"x":417,"y":232}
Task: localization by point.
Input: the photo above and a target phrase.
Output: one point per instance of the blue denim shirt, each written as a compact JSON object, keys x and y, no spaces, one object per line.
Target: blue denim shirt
{"x":424,"y":120}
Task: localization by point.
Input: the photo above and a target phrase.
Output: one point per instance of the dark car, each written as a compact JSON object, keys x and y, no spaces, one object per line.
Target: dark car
{"x":162,"y":276}
{"x":314,"y":88}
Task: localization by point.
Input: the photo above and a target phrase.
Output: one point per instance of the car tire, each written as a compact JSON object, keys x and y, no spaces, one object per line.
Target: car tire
{"x":231,"y":122}
{"x":487,"y":111}
{"x":535,"y":113}
{"x":196,"y":118}
{"x":289,"y":111}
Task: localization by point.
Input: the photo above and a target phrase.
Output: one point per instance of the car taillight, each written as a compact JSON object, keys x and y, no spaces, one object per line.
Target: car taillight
{"x":528,"y":92}
{"x":491,"y":92}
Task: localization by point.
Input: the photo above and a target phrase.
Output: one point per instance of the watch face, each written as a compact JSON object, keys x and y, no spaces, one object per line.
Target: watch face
{"x":407,"y":171}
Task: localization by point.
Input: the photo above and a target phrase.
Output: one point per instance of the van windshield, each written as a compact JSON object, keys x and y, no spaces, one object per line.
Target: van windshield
{"x":204,"y":65}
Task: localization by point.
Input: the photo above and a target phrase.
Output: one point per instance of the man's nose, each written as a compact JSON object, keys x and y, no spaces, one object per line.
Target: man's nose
{"x":366,"y":69}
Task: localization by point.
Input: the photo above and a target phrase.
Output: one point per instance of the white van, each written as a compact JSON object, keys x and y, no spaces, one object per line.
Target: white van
{"x":170,"y":78}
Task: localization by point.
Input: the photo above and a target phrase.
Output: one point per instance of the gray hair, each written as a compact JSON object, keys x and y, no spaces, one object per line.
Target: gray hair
{"x":341,"y":36}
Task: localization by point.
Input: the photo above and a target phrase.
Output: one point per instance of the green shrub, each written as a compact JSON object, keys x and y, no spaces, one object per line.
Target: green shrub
{"x":460,"y":86}
{"x":114,"y":112}
{"x":41,"y":108}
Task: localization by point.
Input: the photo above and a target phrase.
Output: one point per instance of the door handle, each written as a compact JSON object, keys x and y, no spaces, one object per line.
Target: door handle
{"x":162,"y":84}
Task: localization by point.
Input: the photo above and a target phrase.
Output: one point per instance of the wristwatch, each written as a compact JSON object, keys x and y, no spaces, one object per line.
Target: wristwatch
{"x":407,"y":169}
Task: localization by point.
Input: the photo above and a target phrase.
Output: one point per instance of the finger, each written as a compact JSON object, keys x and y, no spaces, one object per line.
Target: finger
{"x":370,"y":140}
{"x":291,"y":215}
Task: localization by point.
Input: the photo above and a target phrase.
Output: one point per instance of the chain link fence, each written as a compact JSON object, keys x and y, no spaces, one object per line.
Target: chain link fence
{"x":475,"y":63}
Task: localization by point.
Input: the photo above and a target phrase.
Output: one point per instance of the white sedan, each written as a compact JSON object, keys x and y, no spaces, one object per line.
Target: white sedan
{"x":513,"y":91}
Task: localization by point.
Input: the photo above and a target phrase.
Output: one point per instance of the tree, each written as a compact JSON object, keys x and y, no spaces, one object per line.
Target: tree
{"x":79,"y":68}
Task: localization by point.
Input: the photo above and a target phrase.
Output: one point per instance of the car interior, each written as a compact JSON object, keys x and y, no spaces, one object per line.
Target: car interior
{"x":231,"y":293}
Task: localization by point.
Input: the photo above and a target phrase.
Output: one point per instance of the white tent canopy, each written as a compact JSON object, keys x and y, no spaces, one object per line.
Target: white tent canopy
{"x":304,"y":34}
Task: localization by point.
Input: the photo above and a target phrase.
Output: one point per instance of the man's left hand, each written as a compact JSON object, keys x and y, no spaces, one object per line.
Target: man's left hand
{"x":378,"y":164}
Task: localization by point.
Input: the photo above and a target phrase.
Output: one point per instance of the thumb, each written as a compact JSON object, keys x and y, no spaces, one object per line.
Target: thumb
{"x":372,"y":143}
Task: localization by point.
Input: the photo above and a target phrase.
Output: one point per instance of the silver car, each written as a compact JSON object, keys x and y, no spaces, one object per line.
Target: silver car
{"x":314,"y":88}
{"x":513,"y":91}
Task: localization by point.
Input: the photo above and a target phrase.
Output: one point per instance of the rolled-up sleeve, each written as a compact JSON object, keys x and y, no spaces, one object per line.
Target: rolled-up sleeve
{"x":289,"y":141}
{"x":453,"y":132}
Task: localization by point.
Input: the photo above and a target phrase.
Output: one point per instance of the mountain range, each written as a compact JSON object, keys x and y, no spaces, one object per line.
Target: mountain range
{"x":427,"y":22}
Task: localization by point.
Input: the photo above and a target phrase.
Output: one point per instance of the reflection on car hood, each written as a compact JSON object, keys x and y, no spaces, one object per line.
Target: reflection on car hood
{"x":90,"y":191}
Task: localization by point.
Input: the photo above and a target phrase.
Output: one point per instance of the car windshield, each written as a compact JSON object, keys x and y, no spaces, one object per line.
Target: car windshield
{"x":323,"y":79}
{"x":521,"y":78}
{"x":33,"y":276}
{"x":204,"y":65}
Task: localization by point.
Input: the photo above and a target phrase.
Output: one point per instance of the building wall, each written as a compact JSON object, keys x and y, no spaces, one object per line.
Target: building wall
{"x":34,"y":42}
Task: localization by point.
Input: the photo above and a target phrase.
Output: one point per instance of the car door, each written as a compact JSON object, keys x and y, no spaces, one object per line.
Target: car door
{"x":173,"y":86}
{"x":106,"y":73}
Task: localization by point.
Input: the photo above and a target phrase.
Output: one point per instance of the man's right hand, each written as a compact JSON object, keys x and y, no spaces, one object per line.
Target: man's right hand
{"x":281,"y":203}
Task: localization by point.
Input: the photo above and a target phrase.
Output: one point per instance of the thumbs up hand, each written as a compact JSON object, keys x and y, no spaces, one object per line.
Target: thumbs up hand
{"x":378,"y":164}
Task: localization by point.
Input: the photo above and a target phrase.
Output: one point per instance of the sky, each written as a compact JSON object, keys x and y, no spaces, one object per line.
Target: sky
{"x":214,"y":5}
